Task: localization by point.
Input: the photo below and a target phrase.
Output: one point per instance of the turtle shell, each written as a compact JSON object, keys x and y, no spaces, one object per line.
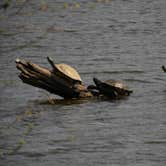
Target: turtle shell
{"x":116,"y":84}
{"x":67,"y":71}
{"x":112,"y":88}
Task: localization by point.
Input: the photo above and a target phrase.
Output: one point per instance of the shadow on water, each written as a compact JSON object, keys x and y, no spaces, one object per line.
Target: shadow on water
{"x":52,"y":101}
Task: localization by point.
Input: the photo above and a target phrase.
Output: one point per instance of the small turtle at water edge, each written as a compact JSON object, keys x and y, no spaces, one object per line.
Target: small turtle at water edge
{"x":111,"y":88}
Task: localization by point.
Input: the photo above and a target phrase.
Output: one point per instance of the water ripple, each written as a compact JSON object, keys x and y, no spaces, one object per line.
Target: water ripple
{"x":114,"y":72}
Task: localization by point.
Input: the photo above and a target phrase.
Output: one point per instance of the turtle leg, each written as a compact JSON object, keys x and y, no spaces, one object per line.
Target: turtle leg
{"x":128,"y":92}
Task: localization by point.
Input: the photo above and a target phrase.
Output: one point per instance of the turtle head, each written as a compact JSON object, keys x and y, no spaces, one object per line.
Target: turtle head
{"x":97,"y":81}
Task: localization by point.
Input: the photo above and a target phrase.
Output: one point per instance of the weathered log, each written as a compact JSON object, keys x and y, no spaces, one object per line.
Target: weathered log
{"x":164,"y":68}
{"x":43,"y":78}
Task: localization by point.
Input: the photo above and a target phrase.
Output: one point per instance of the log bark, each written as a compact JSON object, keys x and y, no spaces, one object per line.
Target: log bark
{"x":43,"y":78}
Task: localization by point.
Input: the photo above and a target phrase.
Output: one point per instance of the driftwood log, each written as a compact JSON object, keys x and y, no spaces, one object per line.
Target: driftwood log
{"x":43,"y":78}
{"x":164,"y":68}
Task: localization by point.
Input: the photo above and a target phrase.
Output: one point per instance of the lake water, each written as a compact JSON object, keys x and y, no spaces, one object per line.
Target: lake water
{"x":117,"y":39}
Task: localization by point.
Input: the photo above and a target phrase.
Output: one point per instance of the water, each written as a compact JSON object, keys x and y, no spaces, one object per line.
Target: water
{"x":119,"y":39}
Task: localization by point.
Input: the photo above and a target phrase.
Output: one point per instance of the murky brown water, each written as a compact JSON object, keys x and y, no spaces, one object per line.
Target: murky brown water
{"x":119,"y":39}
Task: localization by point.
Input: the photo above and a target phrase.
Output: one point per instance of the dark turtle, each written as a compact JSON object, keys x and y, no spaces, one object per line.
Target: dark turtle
{"x":164,"y":68}
{"x":112,"y":88}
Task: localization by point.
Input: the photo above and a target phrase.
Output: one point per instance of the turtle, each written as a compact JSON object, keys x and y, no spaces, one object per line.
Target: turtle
{"x":111,"y":88}
{"x":73,"y":79}
{"x":65,"y":71}
{"x":164,"y":68}
{"x":68,"y":76}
